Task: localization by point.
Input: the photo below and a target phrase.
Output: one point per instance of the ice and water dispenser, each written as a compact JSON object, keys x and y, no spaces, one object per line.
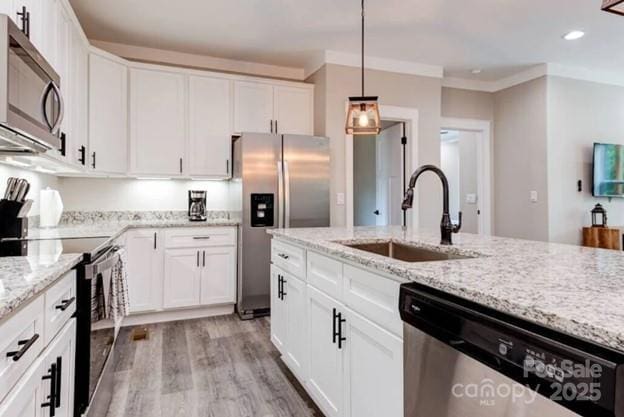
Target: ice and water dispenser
{"x":262,"y":210}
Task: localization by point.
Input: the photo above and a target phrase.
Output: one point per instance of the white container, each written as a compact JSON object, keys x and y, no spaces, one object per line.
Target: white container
{"x":50,"y":208}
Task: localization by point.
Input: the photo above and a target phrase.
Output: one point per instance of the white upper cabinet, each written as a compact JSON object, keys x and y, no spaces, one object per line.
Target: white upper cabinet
{"x":266,"y":108}
{"x":210,"y":127}
{"x":293,"y":110}
{"x":35,"y":13}
{"x":253,"y":107}
{"x":108,"y":114}
{"x":78,"y":137}
{"x":157,"y":122}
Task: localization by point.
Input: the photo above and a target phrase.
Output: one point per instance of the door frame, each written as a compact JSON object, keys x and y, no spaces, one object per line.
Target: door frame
{"x":407,"y":115}
{"x":483,"y":130}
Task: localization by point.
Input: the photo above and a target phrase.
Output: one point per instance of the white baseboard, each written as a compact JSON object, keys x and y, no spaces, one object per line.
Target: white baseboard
{"x":173,"y":315}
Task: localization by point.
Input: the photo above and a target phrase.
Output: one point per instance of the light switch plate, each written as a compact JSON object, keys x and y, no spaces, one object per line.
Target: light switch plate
{"x":340,"y":199}
{"x":471,"y":198}
{"x":533,"y":196}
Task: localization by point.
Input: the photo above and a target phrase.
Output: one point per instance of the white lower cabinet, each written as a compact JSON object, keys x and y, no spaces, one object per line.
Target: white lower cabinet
{"x":373,"y":369}
{"x":326,"y":358}
{"x":350,"y":365}
{"x":182,"y":278}
{"x":145,"y":270}
{"x":47,"y":388}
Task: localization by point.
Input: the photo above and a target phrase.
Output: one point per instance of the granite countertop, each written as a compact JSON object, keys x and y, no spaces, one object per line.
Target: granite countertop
{"x":572,"y":289}
{"x":24,"y":277}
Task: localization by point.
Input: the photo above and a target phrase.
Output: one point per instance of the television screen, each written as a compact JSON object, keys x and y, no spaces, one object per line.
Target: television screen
{"x":608,"y":170}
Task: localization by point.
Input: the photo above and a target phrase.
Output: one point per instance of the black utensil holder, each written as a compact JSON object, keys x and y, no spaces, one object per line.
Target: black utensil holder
{"x":12,"y":226}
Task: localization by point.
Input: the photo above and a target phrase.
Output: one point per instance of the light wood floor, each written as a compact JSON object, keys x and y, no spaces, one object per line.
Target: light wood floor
{"x":218,"y":367}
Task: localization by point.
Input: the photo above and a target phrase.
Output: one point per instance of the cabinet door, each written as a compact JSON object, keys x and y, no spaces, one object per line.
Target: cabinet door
{"x":218,"y":276}
{"x":145,"y":267}
{"x":182,"y":278}
{"x":278,"y":311}
{"x":293,"y":110}
{"x":157,"y":122}
{"x":210,"y":127}
{"x":253,"y":107}
{"x":79,"y":75}
{"x":49,"y":14}
{"x":61,"y":355}
{"x":373,"y":369}
{"x":63,"y":51}
{"x":108,"y":115}
{"x":326,"y":359}
{"x":296,"y":355}
{"x":35,"y":8}
{"x":26,"y":397}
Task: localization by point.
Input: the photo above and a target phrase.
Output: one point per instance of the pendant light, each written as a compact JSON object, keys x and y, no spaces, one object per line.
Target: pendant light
{"x":363,"y":114}
{"x":613,"y":6}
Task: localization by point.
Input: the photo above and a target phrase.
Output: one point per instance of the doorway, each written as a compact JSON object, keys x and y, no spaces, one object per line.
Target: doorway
{"x":379,"y":176}
{"x":465,"y":149}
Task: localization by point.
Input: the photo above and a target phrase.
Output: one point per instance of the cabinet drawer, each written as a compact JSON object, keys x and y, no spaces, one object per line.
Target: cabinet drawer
{"x":200,"y":237}
{"x":60,"y":305}
{"x":374,"y":297}
{"x":21,"y":333}
{"x":325,"y":274}
{"x":290,"y":258}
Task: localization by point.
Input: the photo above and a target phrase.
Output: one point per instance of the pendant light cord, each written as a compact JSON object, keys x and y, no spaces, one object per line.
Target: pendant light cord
{"x":363,"y":14}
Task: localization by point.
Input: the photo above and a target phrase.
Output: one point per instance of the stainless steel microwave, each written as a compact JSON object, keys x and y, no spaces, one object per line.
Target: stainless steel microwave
{"x":31,"y":103}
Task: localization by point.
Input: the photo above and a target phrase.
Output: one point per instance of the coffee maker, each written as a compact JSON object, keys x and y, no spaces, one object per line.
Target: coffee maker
{"x":197,"y":206}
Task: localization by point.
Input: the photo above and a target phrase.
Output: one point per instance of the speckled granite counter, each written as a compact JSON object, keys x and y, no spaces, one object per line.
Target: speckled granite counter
{"x":24,"y":277}
{"x":577,"y":290}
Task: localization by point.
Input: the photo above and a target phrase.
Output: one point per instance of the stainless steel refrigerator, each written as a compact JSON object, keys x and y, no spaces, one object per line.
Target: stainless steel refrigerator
{"x":279,"y":181}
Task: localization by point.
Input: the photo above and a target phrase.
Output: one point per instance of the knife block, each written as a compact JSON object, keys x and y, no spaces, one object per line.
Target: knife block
{"x":11,"y":224}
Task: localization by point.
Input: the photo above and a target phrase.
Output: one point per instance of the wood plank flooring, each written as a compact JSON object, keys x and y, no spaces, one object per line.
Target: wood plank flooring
{"x":212,"y":367}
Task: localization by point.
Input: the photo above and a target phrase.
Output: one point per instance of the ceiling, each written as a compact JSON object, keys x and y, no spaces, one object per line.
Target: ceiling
{"x":502,"y":37}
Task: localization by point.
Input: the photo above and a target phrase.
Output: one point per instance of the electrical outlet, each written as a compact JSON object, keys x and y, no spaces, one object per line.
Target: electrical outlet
{"x":340,"y":199}
{"x":533,"y":196}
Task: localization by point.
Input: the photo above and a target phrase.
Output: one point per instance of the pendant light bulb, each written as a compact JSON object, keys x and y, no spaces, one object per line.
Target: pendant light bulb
{"x":363,"y":120}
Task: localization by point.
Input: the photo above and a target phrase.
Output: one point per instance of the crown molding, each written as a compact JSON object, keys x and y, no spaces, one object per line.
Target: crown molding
{"x":381,"y":64}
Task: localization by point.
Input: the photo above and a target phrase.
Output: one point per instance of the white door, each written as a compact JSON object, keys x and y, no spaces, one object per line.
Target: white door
{"x":293,"y":110}
{"x":61,"y":355}
{"x":157,"y":122}
{"x":79,"y":76}
{"x":27,"y":396}
{"x":210,"y":127}
{"x":296,"y":355}
{"x":388,"y":164}
{"x":145,"y":270}
{"x":108,"y":115}
{"x":278,"y":310}
{"x":373,"y":373}
{"x":253,"y":107}
{"x":326,"y":359}
{"x":218,"y":276}
{"x":182,"y":278}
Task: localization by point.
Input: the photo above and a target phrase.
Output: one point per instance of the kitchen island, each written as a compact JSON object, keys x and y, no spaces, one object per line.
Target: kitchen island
{"x":335,"y":308}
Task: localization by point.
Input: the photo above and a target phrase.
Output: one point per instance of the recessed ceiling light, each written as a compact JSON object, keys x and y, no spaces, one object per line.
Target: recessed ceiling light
{"x":573,"y":35}
{"x":477,"y":71}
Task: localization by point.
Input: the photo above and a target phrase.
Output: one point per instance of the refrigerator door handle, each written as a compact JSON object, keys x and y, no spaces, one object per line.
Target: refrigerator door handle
{"x":280,"y":196}
{"x":286,"y":196}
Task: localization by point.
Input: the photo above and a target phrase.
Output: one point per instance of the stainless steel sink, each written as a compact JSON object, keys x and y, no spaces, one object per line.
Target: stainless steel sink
{"x":405,"y":253}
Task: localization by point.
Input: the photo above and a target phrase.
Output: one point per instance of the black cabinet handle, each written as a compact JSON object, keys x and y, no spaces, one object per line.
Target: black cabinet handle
{"x":271,"y":126}
{"x":65,"y":304}
{"x":25,"y":345}
{"x":279,"y":286}
{"x":227,"y":166}
{"x":340,"y":337}
{"x":276,"y":131}
{"x":51,"y":403}
{"x":283,"y":256}
{"x":93,"y":164}
{"x":59,"y":379}
{"x":283,"y":292}
{"x":82,"y":159}
{"x":24,"y":16}
{"x":198,"y":259}
{"x":154,"y":240}
{"x":63,"y":149}
{"x":334,"y":332}
{"x":204,"y":256}
{"x":180,"y":165}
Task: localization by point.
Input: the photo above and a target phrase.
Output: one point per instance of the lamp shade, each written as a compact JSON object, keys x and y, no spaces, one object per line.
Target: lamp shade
{"x":613,"y":6}
{"x":363,"y":116}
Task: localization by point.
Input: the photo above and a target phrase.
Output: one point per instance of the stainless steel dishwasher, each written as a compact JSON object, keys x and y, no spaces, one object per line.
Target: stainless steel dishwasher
{"x":466,"y":360}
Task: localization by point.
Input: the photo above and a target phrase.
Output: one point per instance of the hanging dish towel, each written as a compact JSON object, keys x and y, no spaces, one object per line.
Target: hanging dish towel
{"x":118,"y":306}
{"x":98,"y":299}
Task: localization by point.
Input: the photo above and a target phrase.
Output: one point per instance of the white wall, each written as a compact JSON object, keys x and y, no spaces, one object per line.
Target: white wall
{"x":91,"y":194}
{"x":579,"y":114}
{"x":37,"y":182}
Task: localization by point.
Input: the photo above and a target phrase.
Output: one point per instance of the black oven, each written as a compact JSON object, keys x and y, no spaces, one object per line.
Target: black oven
{"x":95,"y":335}
{"x":31,"y":103}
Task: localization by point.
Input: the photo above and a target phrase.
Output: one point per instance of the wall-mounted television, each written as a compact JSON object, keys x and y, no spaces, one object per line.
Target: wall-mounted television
{"x":608,"y":170}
